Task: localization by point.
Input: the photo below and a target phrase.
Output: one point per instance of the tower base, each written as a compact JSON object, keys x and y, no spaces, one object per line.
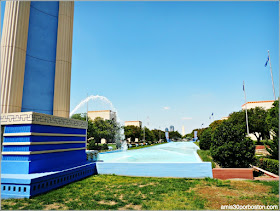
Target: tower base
{"x":28,"y":185}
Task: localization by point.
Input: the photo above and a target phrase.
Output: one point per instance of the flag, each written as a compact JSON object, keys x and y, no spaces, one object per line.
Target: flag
{"x":266,"y":61}
{"x":243,"y":87}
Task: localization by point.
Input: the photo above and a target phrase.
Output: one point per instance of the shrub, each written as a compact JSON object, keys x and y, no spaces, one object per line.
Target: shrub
{"x":205,"y":139}
{"x":93,"y":146}
{"x":104,"y":147}
{"x":230,"y":148}
{"x":268,"y":164}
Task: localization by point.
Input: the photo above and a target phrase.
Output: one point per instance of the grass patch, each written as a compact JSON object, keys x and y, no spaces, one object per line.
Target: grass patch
{"x":205,"y":155}
{"x":197,"y":143}
{"x":139,"y":147}
{"x":109,"y":192}
{"x":112,"y":145}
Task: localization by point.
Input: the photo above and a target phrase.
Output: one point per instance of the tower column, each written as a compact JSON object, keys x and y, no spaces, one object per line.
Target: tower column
{"x":13,"y":54}
{"x":61,"y":102}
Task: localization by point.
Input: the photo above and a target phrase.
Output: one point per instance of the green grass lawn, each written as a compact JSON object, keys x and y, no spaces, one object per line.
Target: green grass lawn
{"x":104,"y":192}
{"x":139,"y":147}
{"x":206,"y":156}
{"x":112,"y":145}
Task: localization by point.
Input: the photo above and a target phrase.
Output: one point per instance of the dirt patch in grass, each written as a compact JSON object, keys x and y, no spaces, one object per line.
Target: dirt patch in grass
{"x":131,"y":206}
{"x":249,"y":188}
{"x":9,"y":203}
{"x":107,"y":202}
{"x":55,"y":206}
{"x":240,"y":192}
{"x":151,"y":183}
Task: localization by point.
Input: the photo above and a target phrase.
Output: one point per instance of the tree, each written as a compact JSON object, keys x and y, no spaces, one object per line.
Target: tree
{"x":256,"y":122}
{"x":215,"y":124}
{"x":159,"y":134}
{"x":205,"y":139}
{"x":132,"y":132}
{"x":114,"y":128}
{"x":149,"y":135}
{"x":101,"y":129}
{"x":272,"y":121}
{"x":175,"y":135}
{"x":230,"y":148}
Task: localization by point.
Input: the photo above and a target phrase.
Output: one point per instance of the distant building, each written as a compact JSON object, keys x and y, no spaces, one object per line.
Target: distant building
{"x":104,"y":114}
{"x":224,"y":118}
{"x":171,"y":128}
{"x":134,"y":123}
{"x":264,"y":104}
{"x":166,"y":129}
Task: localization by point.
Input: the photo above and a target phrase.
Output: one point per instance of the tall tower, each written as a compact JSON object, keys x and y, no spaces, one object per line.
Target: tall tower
{"x":36,"y":55}
{"x":183,"y":130}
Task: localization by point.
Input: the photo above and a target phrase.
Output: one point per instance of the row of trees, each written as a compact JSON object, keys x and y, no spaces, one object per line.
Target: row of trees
{"x":151,"y":136}
{"x":227,"y":140}
{"x":110,"y":130}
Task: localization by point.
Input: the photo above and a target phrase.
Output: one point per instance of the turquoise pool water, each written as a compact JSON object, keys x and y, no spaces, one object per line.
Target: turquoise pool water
{"x":174,"y":152}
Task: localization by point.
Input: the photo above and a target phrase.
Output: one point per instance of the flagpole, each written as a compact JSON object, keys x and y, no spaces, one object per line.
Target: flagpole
{"x":271,"y":75}
{"x":246,"y":108}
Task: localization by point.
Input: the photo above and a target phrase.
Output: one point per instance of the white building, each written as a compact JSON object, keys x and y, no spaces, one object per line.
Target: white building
{"x":134,"y":123}
{"x":264,"y":104}
{"x":224,"y":118}
{"x":104,"y":114}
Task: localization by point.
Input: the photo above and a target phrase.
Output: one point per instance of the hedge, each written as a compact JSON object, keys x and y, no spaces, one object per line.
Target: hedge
{"x":268,"y":164}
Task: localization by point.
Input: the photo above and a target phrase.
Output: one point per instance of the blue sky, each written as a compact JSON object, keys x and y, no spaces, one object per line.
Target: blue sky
{"x":174,"y":63}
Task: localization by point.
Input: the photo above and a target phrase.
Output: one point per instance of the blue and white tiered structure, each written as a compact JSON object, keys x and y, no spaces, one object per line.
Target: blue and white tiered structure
{"x":42,"y":152}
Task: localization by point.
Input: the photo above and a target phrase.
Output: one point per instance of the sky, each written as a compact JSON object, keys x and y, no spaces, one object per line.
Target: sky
{"x":173,"y":63}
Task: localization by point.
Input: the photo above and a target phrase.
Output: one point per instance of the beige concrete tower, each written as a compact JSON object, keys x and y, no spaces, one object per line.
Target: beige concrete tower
{"x":13,"y":54}
{"x":61,"y":103}
{"x":36,"y":55}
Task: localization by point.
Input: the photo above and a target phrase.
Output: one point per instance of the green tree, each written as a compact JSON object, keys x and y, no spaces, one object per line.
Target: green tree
{"x":215,"y":124}
{"x":101,"y":129}
{"x":230,"y":148}
{"x":149,"y":135}
{"x":159,"y":134}
{"x":132,"y":132}
{"x":175,"y":135}
{"x":272,"y":120}
{"x":256,"y":121}
{"x":205,"y":139}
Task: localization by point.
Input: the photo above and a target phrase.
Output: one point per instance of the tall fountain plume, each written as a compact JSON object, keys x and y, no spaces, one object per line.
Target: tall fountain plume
{"x":94,"y":97}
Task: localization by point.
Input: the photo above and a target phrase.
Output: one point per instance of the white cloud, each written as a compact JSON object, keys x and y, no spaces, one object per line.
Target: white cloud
{"x":166,"y":108}
{"x":186,"y":118}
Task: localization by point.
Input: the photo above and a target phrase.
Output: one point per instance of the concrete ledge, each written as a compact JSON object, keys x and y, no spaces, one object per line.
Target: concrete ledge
{"x":231,"y":173}
{"x":183,"y":170}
